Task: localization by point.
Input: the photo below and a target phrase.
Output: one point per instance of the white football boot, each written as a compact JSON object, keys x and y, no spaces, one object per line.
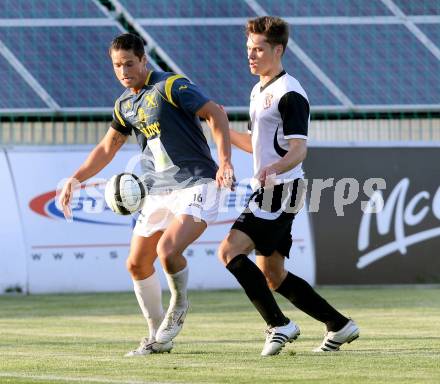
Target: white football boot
{"x":333,"y":340}
{"x":172,"y":324}
{"x":147,"y":347}
{"x":277,"y":337}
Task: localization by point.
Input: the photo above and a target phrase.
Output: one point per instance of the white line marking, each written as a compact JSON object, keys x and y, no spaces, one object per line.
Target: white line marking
{"x":75,"y":379}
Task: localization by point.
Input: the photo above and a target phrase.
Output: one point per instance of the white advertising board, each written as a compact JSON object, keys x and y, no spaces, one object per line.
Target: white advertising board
{"x":12,"y":247}
{"x":89,"y":253}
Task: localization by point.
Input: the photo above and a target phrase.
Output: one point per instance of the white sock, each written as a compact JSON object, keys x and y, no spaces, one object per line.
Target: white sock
{"x":178,"y":283}
{"x":149,"y":296}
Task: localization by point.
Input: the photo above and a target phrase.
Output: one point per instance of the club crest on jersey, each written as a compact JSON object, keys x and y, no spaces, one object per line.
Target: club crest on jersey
{"x":267,"y":100}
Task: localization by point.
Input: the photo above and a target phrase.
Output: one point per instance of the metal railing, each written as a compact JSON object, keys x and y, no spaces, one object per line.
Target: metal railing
{"x":323,"y":130}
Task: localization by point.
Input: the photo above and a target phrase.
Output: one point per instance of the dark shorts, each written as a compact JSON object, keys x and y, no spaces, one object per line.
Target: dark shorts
{"x":268,"y":216}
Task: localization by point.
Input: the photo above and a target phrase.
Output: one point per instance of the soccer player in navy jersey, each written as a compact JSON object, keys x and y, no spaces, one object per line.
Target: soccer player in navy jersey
{"x":163,"y":110}
{"x":277,"y":138}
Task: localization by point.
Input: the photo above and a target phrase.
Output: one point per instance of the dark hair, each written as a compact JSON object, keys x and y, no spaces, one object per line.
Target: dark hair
{"x":274,"y":29}
{"x":126,"y":42}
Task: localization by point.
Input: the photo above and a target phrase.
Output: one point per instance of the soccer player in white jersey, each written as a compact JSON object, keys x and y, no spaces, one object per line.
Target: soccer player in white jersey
{"x":277,"y":138}
{"x":162,"y":109}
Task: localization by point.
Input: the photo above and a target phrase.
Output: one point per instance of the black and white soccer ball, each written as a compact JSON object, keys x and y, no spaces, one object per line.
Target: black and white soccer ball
{"x":124,"y":193}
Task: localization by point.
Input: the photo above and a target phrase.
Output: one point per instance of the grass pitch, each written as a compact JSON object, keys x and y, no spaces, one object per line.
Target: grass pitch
{"x":83,"y":338}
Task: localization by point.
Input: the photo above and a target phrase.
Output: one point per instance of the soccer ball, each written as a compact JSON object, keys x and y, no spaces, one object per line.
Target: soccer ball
{"x":124,"y":193}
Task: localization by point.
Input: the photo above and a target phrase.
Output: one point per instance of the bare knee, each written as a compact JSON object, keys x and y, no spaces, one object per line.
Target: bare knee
{"x":138,"y":269}
{"x":167,"y":255}
{"x":226,"y":252}
{"x":236,"y":243}
{"x":273,"y":278}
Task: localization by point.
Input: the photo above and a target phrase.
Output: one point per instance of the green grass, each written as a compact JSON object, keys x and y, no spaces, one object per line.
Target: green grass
{"x":82,"y":339}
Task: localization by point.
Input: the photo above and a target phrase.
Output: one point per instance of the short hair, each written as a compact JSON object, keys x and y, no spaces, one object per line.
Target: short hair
{"x":127,"y":42}
{"x":274,"y":29}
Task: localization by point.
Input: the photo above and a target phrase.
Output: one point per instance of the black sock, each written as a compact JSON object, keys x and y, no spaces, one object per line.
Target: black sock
{"x":254,"y":284}
{"x":301,"y":294}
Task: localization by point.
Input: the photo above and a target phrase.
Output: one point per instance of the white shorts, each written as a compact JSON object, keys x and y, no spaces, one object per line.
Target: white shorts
{"x":200,"y":201}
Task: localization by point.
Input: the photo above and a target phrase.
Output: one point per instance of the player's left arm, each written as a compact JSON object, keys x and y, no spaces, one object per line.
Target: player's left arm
{"x":295,"y":113}
{"x":217,"y":120}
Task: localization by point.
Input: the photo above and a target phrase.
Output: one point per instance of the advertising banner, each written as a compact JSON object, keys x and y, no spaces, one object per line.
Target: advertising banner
{"x":375,"y":214}
{"x":88,"y":254}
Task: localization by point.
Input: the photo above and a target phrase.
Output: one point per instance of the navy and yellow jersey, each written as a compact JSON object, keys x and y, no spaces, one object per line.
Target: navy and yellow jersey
{"x":175,"y":153}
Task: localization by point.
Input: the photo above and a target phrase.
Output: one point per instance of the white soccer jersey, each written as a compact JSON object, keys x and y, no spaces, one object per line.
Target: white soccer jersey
{"x":278,"y":111}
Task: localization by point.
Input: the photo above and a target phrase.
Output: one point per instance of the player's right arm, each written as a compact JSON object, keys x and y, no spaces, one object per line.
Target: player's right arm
{"x":98,"y":158}
{"x":241,"y":140}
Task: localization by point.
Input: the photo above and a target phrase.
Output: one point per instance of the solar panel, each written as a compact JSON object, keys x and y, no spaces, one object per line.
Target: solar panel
{"x":432,"y":31}
{"x":319,"y":8}
{"x":376,"y":64}
{"x":48,"y":9}
{"x":16,"y":93}
{"x":318,"y":95}
{"x":194,"y":8}
{"x":221,"y":67}
{"x":419,"y":7}
{"x":348,"y":49}
{"x":71,"y":63}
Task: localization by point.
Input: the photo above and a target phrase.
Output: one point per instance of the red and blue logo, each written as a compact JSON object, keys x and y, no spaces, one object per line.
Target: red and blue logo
{"x":88,"y":206}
